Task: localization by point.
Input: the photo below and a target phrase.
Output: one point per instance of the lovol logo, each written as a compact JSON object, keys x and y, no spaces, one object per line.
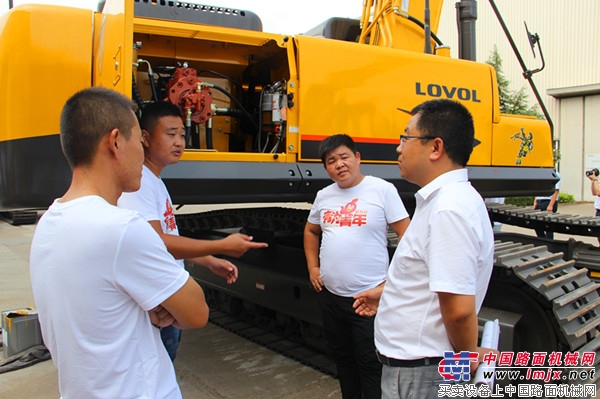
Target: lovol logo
{"x":461,"y":93}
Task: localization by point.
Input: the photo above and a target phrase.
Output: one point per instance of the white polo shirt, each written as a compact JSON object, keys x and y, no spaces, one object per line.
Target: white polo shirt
{"x":448,"y":247}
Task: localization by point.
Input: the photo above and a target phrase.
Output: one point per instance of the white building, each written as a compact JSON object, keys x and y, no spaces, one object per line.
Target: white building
{"x":569,"y":84}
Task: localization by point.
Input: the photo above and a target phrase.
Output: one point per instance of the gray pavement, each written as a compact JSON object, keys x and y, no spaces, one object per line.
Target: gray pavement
{"x":212,"y":363}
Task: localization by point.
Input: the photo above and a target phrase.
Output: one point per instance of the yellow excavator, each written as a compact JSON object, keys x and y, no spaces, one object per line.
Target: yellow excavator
{"x":256,"y":105}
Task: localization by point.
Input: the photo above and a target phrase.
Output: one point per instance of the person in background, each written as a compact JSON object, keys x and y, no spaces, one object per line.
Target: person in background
{"x":593,"y":176}
{"x":440,"y":271}
{"x":497,"y":226}
{"x":345,"y":242}
{"x":163,"y":138}
{"x":102,"y":278}
{"x":550,"y":204}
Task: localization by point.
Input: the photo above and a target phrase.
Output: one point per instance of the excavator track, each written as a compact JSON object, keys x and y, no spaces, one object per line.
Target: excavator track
{"x":18,"y":218}
{"x":585,"y":255}
{"x":566,"y":300}
{"x":535,"y":219}
{"x":287,"y":321}
{"x":544,"y":298}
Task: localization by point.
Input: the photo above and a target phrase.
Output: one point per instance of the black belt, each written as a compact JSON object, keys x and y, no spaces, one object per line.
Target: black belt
{"x":425,"y":361}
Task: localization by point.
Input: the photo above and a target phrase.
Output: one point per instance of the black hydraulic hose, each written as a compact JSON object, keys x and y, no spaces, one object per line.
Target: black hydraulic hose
{"x":230,"y":112}
{"x":422,"y":25}
{"x":526,"y":72}
{"x":235,"y":100}
{"x":135,"y":93}
{"x":235,"y":82}
{"x":236,"y":113}
{"x":152,"y":85}
{"x":151,"y":79}
{"x":188,"y":136}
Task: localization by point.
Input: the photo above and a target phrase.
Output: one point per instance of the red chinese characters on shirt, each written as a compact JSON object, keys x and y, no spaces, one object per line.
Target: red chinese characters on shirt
{"x":349,"y":215}
{"x":169,"y":217}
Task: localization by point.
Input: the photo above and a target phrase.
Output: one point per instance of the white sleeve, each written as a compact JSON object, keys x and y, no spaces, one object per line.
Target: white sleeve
{"x":314,"y":216}
{"x":451,"y":270}
{"x":144,"y":268}
{"x":393,"y":205}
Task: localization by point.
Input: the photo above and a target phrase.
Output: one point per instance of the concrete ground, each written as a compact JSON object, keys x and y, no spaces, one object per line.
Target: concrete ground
{"x":212,"y":363}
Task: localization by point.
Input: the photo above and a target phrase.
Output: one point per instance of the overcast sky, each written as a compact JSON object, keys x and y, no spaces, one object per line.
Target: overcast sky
{"x":282,"y":16}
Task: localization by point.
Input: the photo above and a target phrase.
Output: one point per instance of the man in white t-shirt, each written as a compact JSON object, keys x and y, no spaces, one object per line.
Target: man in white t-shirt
{"x":350,"y":219}
{"x":164,"y":139}
{"x":440,"y":271}
{"x":102,"y":279}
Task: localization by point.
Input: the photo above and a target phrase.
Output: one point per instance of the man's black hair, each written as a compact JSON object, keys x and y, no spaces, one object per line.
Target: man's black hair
{"x":333,"y":142}
{"x":89,"y":115}
{"x":452,"y":122}
{"x":152,"y":112}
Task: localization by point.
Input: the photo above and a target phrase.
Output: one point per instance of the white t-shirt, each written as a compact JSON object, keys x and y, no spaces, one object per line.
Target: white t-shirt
{"x":448,"y":247}
{"x":96,"y":271}
{"x":153,"y":202}
{"x":354,"y":221}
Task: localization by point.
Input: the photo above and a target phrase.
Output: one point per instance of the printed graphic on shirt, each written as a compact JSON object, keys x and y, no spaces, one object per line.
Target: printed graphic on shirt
{"x":349,"y":215}
{"x":169,"y":217}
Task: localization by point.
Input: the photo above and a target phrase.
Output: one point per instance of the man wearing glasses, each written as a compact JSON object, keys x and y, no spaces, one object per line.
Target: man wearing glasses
{"x":440,"y":271}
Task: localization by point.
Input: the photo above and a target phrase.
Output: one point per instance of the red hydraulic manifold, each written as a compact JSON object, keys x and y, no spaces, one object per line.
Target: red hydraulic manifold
{"x":186,"y":90}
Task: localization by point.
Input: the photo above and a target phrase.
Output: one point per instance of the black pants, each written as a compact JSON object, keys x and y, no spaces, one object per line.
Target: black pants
{"x":351,"y":338}
{"x":542,"y":205}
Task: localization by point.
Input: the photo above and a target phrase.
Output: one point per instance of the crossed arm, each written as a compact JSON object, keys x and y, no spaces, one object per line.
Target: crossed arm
{"x":185,"y":309}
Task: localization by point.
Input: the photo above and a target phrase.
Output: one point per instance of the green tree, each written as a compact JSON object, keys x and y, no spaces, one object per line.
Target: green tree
{"x":511,"y":102}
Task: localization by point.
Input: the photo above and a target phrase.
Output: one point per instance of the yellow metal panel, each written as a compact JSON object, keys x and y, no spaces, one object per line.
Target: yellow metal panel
{"x":522,"y":141}
{"x":292,"y":138}
{"x":205,"y":32}
{"x":203,"y":155}
{"x":385,"y":23}
{"x":45,"y":54}
{"x":113,"y":47}
{"x":190,"y":50}
{"x":356,"y":89}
